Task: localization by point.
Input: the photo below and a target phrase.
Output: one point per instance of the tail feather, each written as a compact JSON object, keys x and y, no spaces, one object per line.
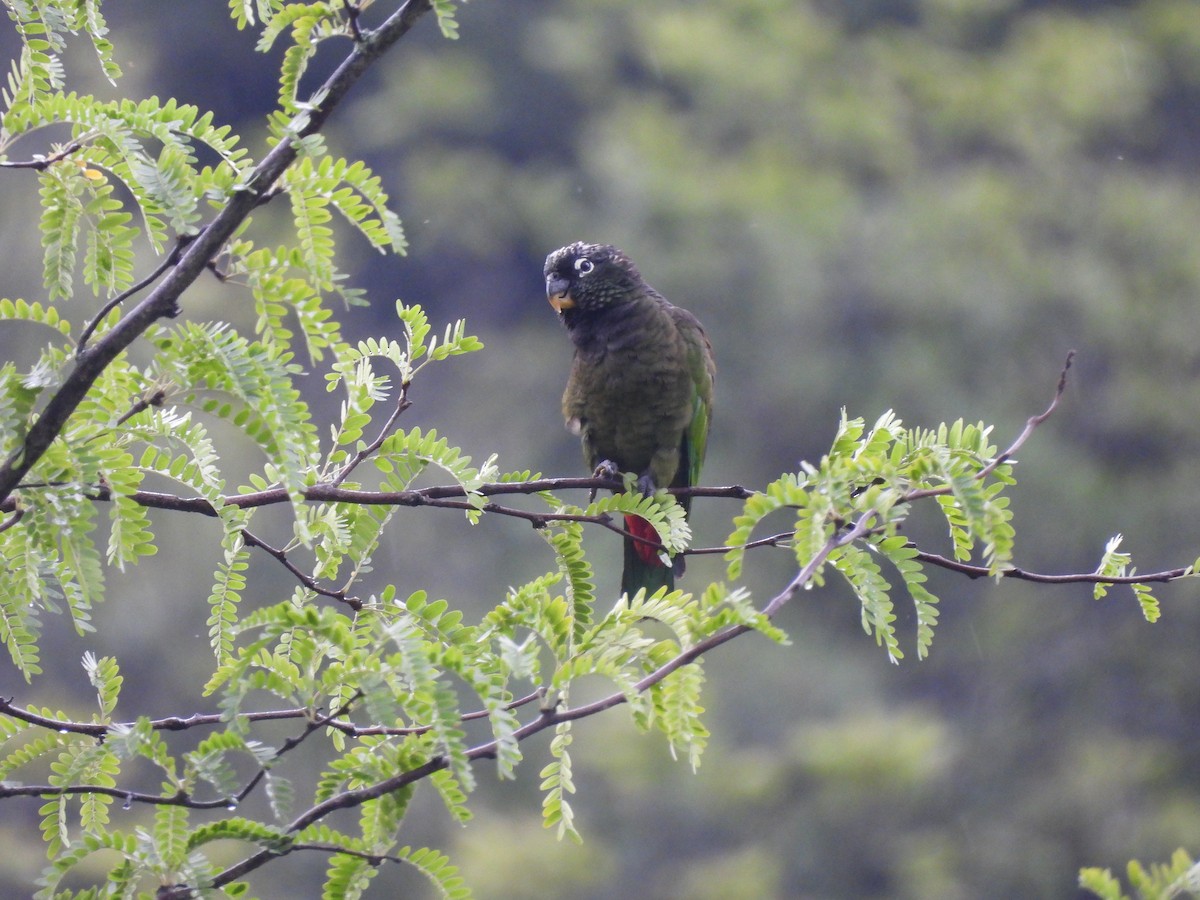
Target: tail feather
{"x":644,"y":566}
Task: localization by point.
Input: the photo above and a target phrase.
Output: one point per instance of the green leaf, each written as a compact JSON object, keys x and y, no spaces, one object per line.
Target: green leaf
{"x":436,"y":867}
{"x":106,"y":679}
{"x":444,"y":10}
{"x":557,"y":783}
{"x":903,"y":556}
{"x":1116,"y":563}
{"x":171,"y":840}
{"x":863,"y":574}
{"x":677,"y":705}
{"x":62,"y":187}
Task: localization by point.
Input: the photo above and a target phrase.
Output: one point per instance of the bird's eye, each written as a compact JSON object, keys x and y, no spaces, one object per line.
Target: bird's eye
{"x":583,"y":265}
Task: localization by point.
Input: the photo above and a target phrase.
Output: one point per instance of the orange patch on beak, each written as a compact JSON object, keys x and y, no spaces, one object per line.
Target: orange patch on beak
{"x":561,"y":301}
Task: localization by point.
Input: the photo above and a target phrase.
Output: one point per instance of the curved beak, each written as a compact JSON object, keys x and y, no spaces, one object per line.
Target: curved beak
{"x":558,"y":292}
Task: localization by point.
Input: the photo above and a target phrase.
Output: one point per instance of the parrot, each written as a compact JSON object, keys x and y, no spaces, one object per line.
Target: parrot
{"x":640,"y":391}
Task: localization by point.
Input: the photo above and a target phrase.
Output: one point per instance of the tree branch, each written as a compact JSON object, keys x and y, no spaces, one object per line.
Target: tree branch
{"x":1020,"y":574}
{"x":327,"y":492}
{"x":100,"y":730}
{"x":17,"y":516}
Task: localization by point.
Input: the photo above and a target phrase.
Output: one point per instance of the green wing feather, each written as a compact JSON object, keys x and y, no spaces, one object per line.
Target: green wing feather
{"x":703,"y":371}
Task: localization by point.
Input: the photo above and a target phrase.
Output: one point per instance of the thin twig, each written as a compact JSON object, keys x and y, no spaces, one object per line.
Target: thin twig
{"x":101,"y":730}
{"x":170,"y":723}
{"x":402,"y":403}
{"x":181,"y":798}
{"x":169,"y":260}
{"x":308,"y":581}
{"x":143,"y":403}
{"x":352,"y":12}
{"x":42,"y":163}
{"x":403,"y":731}
{"x":375,"y":859}
{"x":1031,"y":425}
{"x":12,"y":520}
{"x":292,"y":743}
{"x":1033,"y":421}
{"x":773,"y":540}
{"x":972,"y":571}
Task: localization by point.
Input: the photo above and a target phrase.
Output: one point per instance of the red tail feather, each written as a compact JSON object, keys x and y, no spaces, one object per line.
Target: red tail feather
{"x":649,"y":553}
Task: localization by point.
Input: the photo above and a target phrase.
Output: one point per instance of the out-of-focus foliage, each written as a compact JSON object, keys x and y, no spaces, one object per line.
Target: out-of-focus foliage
{"x":1181,"y":878}
{"x":908,"y":204}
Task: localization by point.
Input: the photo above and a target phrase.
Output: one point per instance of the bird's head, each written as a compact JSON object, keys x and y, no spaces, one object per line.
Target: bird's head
{"x":589,"y":277}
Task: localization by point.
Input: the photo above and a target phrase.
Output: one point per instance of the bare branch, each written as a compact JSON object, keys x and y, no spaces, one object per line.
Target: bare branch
{"x":430,"y":496}
{"x":41,"y":163}
{"x":1020,"y":574}
{"x":352,"y":11}
{"x":306,"y":580}
{"x":772,"y":540}
{"x":1034,"y":421}
{"x":130,"y":797}
{"x":171,"y":723}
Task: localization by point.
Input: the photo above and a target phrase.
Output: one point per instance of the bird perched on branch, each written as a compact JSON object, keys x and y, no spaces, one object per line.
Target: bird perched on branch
{"x":640,"y":391}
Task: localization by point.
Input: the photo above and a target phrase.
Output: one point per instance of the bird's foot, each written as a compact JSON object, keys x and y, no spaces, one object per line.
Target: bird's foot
{"x":646,"y":485}
{"x":606,"y":469}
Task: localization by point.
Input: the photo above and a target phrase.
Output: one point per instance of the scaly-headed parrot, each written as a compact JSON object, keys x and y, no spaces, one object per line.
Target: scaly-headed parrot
{"x":640,"y":391}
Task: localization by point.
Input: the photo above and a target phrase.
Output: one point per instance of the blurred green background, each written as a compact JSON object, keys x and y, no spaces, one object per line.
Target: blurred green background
{"x":910,"y":204}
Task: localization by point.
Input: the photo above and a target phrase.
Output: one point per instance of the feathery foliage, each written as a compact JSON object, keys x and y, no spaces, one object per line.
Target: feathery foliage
{"x":209,"y":420}
{"x":873,"y":476}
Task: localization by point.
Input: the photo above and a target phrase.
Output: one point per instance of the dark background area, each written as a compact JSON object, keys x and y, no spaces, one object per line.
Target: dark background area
{"x":919,"y":206}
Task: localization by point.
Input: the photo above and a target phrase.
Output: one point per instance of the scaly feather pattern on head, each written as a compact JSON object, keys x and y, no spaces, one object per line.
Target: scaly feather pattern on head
{"x":589,"y":277}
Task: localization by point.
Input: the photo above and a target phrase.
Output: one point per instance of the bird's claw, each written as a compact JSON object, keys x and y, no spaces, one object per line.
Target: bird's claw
{"x":606,"y":469}
{"x":646,"y":485}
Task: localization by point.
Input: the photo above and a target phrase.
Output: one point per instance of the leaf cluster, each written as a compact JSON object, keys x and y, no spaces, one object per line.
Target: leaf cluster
{"x":864,"y":489}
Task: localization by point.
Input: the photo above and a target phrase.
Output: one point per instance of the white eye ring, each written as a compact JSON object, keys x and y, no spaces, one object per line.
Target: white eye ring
{"x":584,"y":266}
